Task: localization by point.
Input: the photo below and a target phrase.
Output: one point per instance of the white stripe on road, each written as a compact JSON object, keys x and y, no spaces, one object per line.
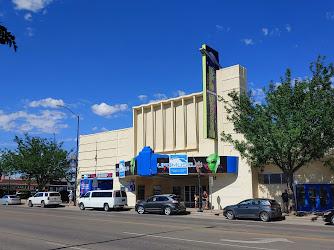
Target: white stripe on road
{"x":66,"y":246}
{"x":199,"y":241}
{"x":259,"y":240}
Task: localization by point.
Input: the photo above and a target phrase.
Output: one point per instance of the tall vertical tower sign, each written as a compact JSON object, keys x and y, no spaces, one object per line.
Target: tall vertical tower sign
{"x":210,"y":61}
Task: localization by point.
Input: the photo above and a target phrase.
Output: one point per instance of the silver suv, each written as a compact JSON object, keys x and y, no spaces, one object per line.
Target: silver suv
{"x":45,"y":199}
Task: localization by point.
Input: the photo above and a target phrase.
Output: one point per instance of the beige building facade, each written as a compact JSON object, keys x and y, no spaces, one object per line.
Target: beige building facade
{"x":173,"y":126}
{"x":176,"y":127}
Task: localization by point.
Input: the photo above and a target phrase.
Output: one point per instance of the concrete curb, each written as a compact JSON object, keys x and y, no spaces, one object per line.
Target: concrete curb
{"x":289,"y":219}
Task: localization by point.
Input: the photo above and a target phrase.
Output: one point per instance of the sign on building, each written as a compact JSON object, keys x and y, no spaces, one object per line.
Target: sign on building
{"x":122,"y":169}
{"x":178,"y":165}
{"x":210,"y":61}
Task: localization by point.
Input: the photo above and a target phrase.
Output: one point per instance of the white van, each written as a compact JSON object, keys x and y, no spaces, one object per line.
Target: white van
{"x":105,"y":199}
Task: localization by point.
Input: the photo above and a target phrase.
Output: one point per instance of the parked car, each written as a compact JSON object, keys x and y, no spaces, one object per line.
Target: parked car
{"x":263,"y":209}
{"x":23,"y":194}
{"x":329,"y":216}
{"x":10,"y":200}
{"x":45,"y":199}
{"x":164,"y":203}
{"x":105,"y":199}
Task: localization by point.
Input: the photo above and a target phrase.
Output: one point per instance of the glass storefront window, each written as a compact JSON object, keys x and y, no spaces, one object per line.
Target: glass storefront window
{"x":301,"y":195}
{"x":141,"y":193}
{"x":332,"y":195}
{"x":177,"y":190}
{"x":312,"y":196}
{"x":156,"y":189}
{"x":323,"y":196}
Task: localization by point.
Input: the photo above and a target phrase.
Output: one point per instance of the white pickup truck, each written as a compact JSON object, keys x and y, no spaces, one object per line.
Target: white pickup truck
{"x":45,"y":199}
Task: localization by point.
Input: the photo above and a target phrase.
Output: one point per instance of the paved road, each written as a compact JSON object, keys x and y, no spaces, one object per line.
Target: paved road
{"x":62,"y":228}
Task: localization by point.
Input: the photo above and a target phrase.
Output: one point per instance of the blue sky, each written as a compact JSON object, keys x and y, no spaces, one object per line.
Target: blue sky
{"x":101,"y":58}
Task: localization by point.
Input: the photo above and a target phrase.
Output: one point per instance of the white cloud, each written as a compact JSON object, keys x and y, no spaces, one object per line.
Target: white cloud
{"x":275,"y":32}
{"x":179,"y":93}
{"x":8,"y":144}
{"x":265,"y":31}
{"x":248,"y":41}
{"x":106,"y":110}
{"x":332,"y":80}
{"x":69,"y":139}
{"x":330,"y":15}
{"x":46,"y":121}
{"x":288,"y":27}
{"x":30,"y":31}
{"x":104,"y":129}
{"x":45,"y":12}
{"x":258,"y":95}
{"x":32,"y":5}
{"x":94,"y":128}
{"x":251,"y":84}
{"x":159,"y":97}
{"x":277,"y":84}
{"x":1,"y":14}
{"x":219,"y":28}
{"x":47,"y":103}
{"x":27,"y":17}
{"x":142,"y":97}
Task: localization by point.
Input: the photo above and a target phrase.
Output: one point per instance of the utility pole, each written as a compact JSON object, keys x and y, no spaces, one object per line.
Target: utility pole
{"x":77,"y":155}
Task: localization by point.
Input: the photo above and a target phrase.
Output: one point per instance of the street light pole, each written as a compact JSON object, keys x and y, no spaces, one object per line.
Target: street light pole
{"x":77,"y":158}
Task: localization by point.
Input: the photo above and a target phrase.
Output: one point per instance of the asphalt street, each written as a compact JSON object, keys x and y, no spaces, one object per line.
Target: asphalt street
{"x":69,"y":228}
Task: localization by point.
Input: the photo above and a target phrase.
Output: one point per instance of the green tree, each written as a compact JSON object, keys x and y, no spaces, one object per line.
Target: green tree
{"x":5,"y":158}
{"x":293,"y":127}
{"x":38,"y":158}
{"x":7,"y":38}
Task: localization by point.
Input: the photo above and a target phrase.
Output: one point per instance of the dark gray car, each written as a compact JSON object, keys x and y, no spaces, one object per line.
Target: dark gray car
{"x":164,"y":203}
{"x":263,"y":209}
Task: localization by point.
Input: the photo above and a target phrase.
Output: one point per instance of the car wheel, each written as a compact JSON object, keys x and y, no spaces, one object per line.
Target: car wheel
{"x":230,"y":215}
{"x":332,"y":220}
{"x":30,"y":204}
{"x":106,"y":207}
{"x":140,"y":210}
{"x":167,"y":210}
{"x":42,"y":204}
{"x":264,"y":216}
{"x":82,"y":206}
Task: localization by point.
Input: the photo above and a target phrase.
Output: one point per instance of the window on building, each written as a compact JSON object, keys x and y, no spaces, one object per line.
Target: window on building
{"x":274,"y":178}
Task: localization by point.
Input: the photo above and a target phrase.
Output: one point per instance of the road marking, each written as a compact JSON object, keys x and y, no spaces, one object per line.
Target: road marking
{"x":65,"y":246}
{"x":259,"y":240}
{"x":199,"y":241}
{"x":170,"y":226}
